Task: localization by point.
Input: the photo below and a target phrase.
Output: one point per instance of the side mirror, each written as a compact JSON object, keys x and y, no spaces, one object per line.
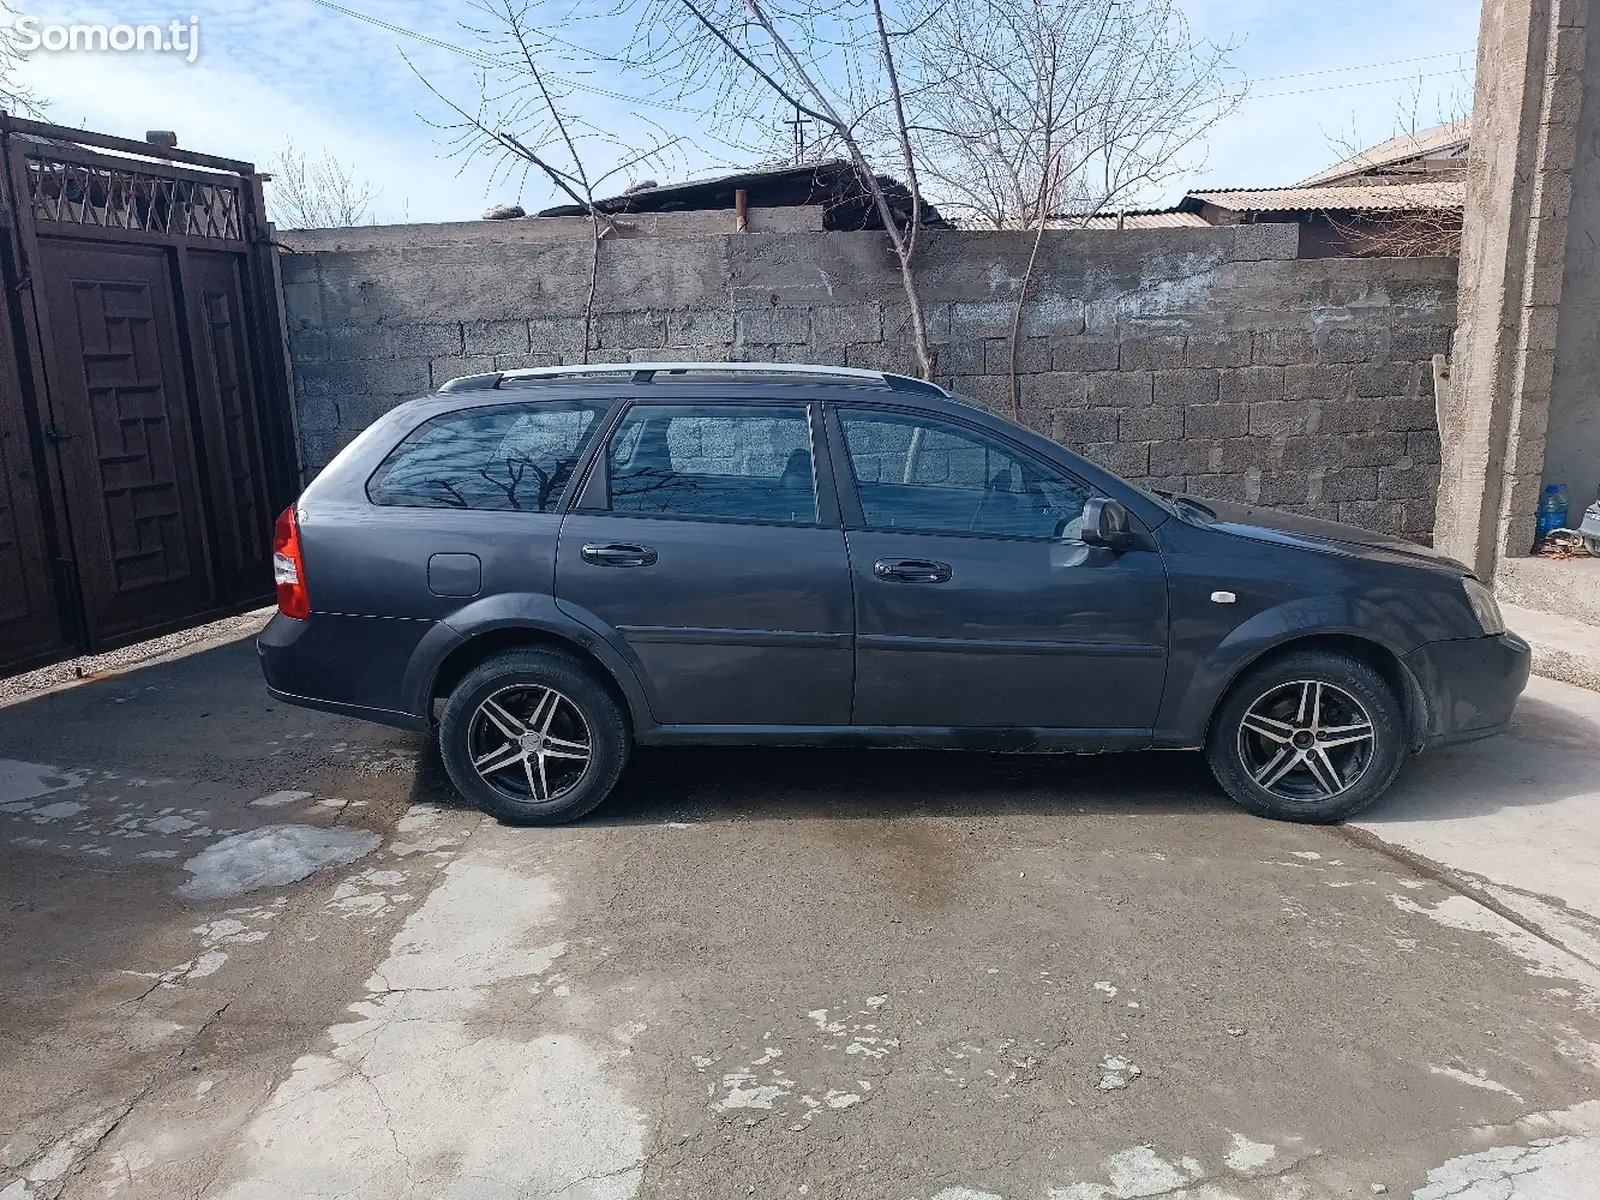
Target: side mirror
{"x":1106,"y":523}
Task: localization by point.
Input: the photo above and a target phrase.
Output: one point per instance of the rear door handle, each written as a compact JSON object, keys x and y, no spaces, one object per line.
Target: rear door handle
{"x":911,"y":570}
{"x":619,"y":554}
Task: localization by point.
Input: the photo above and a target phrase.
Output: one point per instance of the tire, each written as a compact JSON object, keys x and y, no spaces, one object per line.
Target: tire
{"x":1275,"y":759}
{"x":570,"y":751}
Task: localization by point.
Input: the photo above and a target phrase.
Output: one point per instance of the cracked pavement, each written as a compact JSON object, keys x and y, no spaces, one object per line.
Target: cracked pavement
{"x":777,"y":973}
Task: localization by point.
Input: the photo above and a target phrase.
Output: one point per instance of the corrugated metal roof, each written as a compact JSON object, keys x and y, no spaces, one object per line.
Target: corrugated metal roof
{"x":1391,"y":197}
{"x":1171,"y":219}
{"x":1439,"y":139}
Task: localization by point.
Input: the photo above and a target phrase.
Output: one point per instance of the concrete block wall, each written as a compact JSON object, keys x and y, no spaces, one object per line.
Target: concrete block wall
{"x":1209,"y":360}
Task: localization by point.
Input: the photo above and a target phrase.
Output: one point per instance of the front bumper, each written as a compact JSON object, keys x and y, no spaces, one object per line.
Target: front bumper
{"x":1469,"y":686}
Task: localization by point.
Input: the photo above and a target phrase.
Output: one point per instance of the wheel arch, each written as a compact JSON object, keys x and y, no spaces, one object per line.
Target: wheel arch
{"x":1381,"y":658}
{"x":470,"y":638}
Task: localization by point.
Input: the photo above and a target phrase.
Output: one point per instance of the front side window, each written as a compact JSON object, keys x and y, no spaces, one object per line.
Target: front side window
{"x":714,"y":462}
{"x":925,"y":475}
{"x":513,"y":459}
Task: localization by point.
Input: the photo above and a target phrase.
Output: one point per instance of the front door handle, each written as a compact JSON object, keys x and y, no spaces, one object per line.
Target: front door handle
{"x":619,"y":554}
{"x":911,"y":570}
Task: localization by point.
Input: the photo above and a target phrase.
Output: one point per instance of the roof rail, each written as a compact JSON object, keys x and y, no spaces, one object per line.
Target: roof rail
{"x":645,"y":372}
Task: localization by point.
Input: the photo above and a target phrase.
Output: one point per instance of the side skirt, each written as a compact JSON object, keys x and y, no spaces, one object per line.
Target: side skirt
{"x":1005,"y":741}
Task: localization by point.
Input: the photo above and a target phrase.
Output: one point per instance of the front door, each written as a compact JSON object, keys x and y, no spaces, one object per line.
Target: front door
{"x":976,"y":604}
{"x":704,"y":551}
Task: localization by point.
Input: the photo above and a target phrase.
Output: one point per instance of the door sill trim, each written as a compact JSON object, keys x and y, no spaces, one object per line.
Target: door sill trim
{"x":1012,"y":741}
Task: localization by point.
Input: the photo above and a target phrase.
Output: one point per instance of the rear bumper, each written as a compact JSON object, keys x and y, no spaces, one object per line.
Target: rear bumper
{"x":1470,"y":685}
{"x":347,"y":665}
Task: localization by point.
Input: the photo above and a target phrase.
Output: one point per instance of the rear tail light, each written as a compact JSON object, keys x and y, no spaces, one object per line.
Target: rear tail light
{"x":288,"y":568}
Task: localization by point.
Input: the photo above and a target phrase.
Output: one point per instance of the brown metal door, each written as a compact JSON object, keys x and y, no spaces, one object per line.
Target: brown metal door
{"x":30,"y":616}
{"x":230,"y":429}
{"x":127,"y":461}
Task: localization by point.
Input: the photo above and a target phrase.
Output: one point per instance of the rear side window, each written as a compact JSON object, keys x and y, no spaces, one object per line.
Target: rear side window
{"x":714,"y":462}
{"x":515,"y":459}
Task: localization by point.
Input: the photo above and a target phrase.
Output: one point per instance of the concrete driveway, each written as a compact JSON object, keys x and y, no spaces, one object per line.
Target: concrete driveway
{"x":251,"y":951}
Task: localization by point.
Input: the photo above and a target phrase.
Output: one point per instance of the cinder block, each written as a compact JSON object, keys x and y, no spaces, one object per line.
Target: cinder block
{"x":1186,"y":387}
{"x":1127,"y":459}
{"x":1317,"y":381}
{"x":1149,"y":424}
{"x":1048,"y":390}
{"x":847,"y":324}
{"x":555,"y":335}
{"x":1121,"y":389}
{"x":1033,"y":354}
{"x":349,"y":343}
{"x":1076,"y":426}
{"x":1162,"y":353}
{"x":1250,"y":385}
{"x":1228,"y":349}
{"x":1229,"y":486}
{"x":630,"y":330}
{"x":1380,"y":516}
{"x":1351,"y":483}
{"x":1283,"y":418}
{"x":496,"y":337}
{"x":700,"y":327}
{"x":316,"y":414}
{"x":1420,"y":341}
{"x":308,"y":345}
{"x":1352,"y":343}
{"x":1083,"y":354}
{"x":980,"y":319}
{"x":965,"y":357}
{"x":1217,"y":421}
{"x":772,"y":324}
{"x":1279,"y":347}
{"x":1422,"y":447}
{"x":1388,"y":379}
{"x":1407,"y":483}
{"x":410,"y":340}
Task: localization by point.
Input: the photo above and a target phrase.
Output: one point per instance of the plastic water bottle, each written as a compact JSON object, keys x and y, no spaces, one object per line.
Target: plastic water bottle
{"x":1552,"y":509}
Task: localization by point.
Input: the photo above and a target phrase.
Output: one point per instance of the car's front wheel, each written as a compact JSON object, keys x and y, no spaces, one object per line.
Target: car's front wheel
{"x":533,"y":737}
{"x":1309,"y":736}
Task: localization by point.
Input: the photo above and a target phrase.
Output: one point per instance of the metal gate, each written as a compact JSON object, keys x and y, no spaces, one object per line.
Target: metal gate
{"x":145,"y":425}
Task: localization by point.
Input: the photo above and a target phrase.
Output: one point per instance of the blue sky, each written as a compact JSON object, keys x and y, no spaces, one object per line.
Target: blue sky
{"x":295,"y":69}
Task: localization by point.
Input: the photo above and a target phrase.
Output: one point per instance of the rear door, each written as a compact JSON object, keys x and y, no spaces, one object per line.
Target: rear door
{"x":976,"y":604}
{"x":701,"y":544}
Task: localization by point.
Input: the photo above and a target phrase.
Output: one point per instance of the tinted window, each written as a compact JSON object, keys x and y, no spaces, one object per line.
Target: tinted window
{"x":714,"y":462}
{"x":510,"y":459}
{"x":917,"y":473}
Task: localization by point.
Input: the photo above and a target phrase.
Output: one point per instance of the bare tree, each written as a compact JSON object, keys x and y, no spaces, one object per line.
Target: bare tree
{"x":1423,"y":231}
{"x":522,"y":121}
{"x":754,"y":61}
{"x":317,"y":193}
{"x":1041,"y":112}
{"x":15,"y":96}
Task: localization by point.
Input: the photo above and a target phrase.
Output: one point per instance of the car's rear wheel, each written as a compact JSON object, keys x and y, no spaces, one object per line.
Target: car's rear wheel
{"x":1309,"y":736}
{"x":533,"y":737}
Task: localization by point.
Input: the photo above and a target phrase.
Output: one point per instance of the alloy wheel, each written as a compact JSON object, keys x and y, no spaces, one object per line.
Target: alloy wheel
{"x":1306,"y":740}
{"x":529,"y":742}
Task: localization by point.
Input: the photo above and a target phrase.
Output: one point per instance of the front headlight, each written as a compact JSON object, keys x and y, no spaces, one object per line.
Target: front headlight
{"x":1484,"y":606}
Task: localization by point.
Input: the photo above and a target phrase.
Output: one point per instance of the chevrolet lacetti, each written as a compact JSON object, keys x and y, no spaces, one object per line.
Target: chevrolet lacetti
{"x":548,"y":566}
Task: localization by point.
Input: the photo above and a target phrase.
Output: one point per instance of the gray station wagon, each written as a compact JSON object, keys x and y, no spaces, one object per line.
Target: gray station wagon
{"x":550,"y":565}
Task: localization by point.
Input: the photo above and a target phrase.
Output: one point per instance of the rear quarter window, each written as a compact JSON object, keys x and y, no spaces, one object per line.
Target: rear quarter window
{"x":512,"y":459}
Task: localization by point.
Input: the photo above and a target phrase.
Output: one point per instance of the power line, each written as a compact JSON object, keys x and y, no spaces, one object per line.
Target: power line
{"x":1393,"y":62}
{"x":497,"y":62}
{"x":1338,"y":87}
